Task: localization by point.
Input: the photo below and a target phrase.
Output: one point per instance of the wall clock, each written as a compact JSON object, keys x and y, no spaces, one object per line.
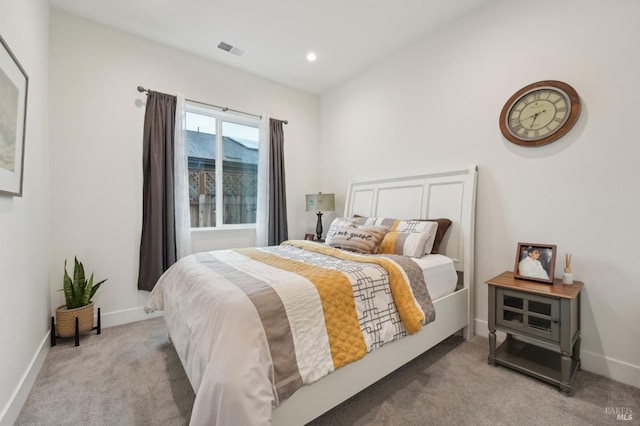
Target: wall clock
{"x":540,"y":113}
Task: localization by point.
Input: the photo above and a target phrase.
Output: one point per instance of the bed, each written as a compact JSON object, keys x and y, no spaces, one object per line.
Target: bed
{"x":447,"y":194}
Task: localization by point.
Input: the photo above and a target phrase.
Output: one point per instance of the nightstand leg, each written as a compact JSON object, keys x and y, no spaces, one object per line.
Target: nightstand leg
{"x":565,"y":367}
{"x":576,"y":349}
{"x":492,"y":325}
{"x":492,"y":347}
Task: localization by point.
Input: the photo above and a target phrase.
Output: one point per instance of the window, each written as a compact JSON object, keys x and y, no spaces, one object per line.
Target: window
{"x":222,"y":152}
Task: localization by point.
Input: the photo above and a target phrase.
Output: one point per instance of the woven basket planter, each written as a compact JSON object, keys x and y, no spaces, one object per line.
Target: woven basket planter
{"x":66,"y":320}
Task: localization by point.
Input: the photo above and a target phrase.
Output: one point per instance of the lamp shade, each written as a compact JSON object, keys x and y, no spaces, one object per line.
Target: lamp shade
{"x":321,"y":202}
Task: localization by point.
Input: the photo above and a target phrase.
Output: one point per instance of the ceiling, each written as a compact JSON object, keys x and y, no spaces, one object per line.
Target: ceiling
{"x":347,"y":36}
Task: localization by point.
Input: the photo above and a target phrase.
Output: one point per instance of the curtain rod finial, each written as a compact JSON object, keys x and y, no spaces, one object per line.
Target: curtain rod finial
{"x":141,"y":89}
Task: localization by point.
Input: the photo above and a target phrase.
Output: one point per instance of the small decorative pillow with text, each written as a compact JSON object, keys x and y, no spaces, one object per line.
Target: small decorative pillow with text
{"x":381,"y":229}
{"x":360,"y":239}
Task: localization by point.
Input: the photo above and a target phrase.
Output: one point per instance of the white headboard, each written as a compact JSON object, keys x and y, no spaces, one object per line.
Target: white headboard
{"x":447,"y":194}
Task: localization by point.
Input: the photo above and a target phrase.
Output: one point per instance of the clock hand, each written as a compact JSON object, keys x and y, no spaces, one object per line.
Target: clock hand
{"x":534,"y":115}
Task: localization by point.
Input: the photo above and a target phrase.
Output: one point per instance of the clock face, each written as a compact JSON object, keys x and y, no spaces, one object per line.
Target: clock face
{"x":540,"y":113}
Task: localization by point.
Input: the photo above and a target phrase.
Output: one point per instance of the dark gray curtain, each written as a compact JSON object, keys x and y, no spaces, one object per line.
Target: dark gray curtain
{"x":158,"y":241}
{"x":277,"y":226}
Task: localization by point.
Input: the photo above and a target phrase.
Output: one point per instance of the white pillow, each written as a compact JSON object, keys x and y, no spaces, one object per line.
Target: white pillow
{"x":410,"y":244}
{"x":412,"y":238}
{"x":340,"y":222}
{"x":425,"y":226}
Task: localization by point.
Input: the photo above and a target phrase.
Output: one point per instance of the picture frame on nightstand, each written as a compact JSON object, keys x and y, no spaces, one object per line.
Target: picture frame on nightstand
{"x":535,"y":262}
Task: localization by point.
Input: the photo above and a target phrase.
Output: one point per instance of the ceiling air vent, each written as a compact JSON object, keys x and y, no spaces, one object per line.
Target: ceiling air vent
{"x":231,"y":49}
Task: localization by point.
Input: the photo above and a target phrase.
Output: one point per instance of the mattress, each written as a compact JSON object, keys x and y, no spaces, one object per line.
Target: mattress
{"x":439,"y":274}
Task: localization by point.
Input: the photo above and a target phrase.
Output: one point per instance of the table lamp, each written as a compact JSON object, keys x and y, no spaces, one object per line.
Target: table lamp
{"x":318,"y":203}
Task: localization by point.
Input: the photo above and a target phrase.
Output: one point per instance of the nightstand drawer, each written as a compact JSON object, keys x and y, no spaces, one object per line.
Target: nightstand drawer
{"x":528,"y":313}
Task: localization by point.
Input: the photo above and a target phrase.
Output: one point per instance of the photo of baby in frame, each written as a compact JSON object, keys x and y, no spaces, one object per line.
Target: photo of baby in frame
{"x":535,"y":262}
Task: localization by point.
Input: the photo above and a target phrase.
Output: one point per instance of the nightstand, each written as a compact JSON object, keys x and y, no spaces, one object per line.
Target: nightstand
{"x":542,"y":322}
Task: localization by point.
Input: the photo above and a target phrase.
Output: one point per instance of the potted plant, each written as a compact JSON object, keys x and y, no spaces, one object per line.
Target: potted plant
{"x":77,"y":293}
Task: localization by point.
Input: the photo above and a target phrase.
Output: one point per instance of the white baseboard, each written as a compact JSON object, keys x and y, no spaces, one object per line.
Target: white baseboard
{"x":617,"y":370}
{"x":126,"y":316}
{"x":11,"y":411}
{"x":614,"y":369}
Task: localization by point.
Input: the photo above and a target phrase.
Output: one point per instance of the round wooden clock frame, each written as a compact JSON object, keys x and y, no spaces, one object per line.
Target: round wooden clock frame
{"x":562,"y":89}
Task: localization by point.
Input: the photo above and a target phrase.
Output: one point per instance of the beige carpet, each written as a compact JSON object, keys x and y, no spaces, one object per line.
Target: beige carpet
{"x":131,"y":375}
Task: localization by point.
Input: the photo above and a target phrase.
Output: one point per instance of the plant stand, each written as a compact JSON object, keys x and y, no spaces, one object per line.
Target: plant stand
{"x":55,"y":337}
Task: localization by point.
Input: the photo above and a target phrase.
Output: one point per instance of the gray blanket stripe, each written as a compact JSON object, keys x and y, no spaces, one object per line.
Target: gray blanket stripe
{"x":418,"y":285}
{"x":274,"y":320}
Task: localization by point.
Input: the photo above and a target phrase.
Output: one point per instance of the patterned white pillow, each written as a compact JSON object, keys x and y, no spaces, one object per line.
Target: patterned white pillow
{"x":375,"y":221}
{"x":340,"y":222}
{"x":413,"y":238}
{"x":434,"y":228}
{"x":419,"y":226}
{"x":404,"y":243}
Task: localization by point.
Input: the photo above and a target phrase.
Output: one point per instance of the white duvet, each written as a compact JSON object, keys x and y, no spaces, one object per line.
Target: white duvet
{"x":242,"y":356}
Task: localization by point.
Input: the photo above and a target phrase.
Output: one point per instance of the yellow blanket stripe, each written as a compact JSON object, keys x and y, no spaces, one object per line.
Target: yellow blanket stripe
{"x":410,"y":313}
{"x":389,"y":243}
{"x":336,"y":295}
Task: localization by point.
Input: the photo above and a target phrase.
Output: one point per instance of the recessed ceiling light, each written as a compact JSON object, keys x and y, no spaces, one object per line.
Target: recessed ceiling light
{"x":311,"y":57}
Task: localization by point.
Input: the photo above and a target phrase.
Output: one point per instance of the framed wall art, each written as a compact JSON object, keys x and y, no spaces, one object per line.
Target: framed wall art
{"x":14,"y":84}
{"x":535,"y":262}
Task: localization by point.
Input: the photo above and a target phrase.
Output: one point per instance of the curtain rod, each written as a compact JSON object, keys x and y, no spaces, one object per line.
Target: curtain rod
{"x":143,"y":90}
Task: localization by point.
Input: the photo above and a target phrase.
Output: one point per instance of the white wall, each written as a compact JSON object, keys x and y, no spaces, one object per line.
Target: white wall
{"x":25,"y":245}
{"x":436,"y":105}
{"x":432,"y":106}
{"x":96,"y":157}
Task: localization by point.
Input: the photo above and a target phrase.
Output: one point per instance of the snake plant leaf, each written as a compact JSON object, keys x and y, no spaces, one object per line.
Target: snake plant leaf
{"x":79,"y":281}
{"x":68,"y":288}
{"x":86,"y":291}
{"x":95,"y":288}
{"x":78,"y":272}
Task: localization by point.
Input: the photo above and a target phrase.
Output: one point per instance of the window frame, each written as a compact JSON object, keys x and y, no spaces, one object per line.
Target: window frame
{"x":235,"y":118}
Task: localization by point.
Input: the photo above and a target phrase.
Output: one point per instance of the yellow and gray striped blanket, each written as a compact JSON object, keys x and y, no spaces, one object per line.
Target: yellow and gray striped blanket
{"x":253,"y":325}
